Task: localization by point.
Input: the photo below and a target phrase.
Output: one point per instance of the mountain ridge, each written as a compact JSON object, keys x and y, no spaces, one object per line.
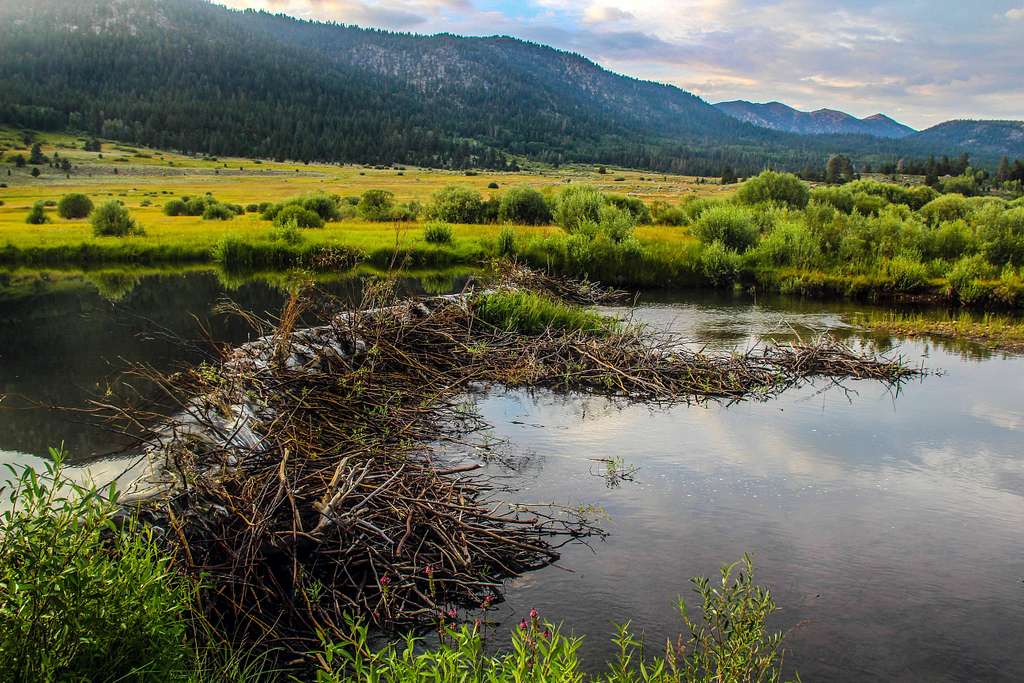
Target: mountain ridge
{"x":779,"y":116}
{"x":262,"y":84}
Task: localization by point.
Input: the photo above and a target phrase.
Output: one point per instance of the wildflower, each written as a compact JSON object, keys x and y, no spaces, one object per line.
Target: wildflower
{"x":547,"y":634}
{"x":523,"y":625}
{"x":452,"y":613}
{"x":385,"y":581}
{"x":534,"y":613}
{"x":429,"y":570}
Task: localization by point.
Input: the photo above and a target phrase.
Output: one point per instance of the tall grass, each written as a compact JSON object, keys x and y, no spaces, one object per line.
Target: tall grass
{"x":531,"y":313}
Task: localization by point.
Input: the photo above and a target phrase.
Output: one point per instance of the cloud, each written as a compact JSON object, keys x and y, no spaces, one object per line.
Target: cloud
{"x":601,"y":14}
{"x":1015,"y":14}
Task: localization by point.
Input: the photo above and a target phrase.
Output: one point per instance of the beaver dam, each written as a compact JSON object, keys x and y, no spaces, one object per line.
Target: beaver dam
{"x":303,"y":476}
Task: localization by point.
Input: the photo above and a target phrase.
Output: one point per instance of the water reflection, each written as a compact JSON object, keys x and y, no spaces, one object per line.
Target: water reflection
{"x":887,"y":523}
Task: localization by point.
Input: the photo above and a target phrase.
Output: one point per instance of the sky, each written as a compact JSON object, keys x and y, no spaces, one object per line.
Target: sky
{"x":920,"y":61}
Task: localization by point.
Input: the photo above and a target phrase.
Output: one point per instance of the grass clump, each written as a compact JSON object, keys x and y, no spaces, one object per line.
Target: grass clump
{"x":531,"y":313}
{"x":438,"y":232}
{"x":74,"y":205}
{"x":112,"y":219}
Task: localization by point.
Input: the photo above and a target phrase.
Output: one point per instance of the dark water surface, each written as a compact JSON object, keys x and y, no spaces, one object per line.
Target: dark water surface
{"x":888,"y":524}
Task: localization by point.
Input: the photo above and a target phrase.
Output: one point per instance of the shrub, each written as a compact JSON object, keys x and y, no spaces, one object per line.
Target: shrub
{"x":616,"y":223}
{"x":78,"y":602}
{"x":216,"y":211}
{"x":868,"y":204}
{"x":838,"y":197}
{"x":769,"y":186}
{"x":456,"y":204}
{"x":577,"y":205}
{"x":965,"y":185}
{"x":640,"y":211}
{"x":438,"y":232}
{"x":964,"y":275}
{"x":949,"y":241}
{"x":948,"y":207}
{"x":1001,"y":236}
{"x":289,"y":234}
{"x":664,"y":213}
{"x":906,"y":272}
{"x":252,"y":208}
{"x":732,"y":226}
{"x":175,"y":207}
{"x":719,"y":264}
{"x":790,"y":243}
{"x":696,"y":206}
{"x":323,"y":204}
{"x":524,"y":206}
{"x":299,"y":216}
{"x":492,"y":185}
{"x":376,"y":205}
{"x":37,"y":214}
{"x":113,"y":220}
{"x":74,"y":205}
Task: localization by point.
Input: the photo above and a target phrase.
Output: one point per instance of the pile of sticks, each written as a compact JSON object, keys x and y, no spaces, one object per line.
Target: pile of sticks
{"x":307,"y":481}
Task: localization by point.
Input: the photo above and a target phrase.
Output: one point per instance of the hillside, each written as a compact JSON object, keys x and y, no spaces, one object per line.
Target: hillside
{"x":778,"y":116}
{"x":983,"y":137}
{"x":196,"y":77}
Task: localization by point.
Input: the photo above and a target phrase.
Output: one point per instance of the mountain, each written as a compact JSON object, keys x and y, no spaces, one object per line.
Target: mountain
{"x":989,"y":137}
{"x":194,"y":76}
{"x":778,"y":116}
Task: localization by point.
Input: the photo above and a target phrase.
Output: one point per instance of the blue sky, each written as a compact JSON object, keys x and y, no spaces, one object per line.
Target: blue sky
{"x":920,"y":61}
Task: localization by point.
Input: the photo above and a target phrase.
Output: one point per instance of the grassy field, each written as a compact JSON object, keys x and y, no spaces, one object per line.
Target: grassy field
{"x":145,"y":179}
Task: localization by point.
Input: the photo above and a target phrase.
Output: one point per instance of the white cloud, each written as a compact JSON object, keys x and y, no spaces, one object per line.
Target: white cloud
{"x":601,"y":14}
{"x":1015,"y":14}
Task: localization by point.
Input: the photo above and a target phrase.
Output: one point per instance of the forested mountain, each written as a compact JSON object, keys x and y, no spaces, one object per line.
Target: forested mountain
{"x":779,"y":116}
{"x":197,"y":77}
{"x":982,"y":137}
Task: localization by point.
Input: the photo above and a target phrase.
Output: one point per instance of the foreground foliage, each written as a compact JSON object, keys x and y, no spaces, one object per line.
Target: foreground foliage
{"x":729,"y":641}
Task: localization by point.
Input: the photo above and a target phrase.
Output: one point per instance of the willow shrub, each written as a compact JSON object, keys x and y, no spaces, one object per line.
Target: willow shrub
{"x":728,"y":641}
{"x":81,"y":599}
{"x":733,"y":226}
{"x":113,"y":220}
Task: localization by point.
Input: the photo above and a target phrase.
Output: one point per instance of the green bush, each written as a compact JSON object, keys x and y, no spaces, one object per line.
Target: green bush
{"x":113,"y":220}
{"x":965,"y":185}
{"x":80,"y":603}
{"x":696,"y":206}
{"x":732,"y":226}
{"x":906,"y":273}
{"x":949,"y":241}
{"x":176,"y":207}
{"x":438,"y":232}
{"x":216,"y":211}
{"x":948,"y":207}
{"x":615,"y":222}
{"x":963,"y":277}
{"x":634,"y":205}
{"x":299,"y":216}
{"x":663,"y":213}
{"x":74,"y":205}
{"x":456,"y":204}
{"x":578,"y":205}
{"x":290,"y":234}
{"x":376,"y":205}
{"x":769,"y":186}
{"x":837,"y":196}
{"x":790,"y":243}
{"x":37,"y":214}
{"x":719,"y":264}
{"x":253,"y":208}
{"x":868,"y":204}
{"x":524,"y":206}
{"x":1001,"y":236}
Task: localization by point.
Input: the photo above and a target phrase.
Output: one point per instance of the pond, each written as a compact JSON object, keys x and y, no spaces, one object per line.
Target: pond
{"x":887,"y":523}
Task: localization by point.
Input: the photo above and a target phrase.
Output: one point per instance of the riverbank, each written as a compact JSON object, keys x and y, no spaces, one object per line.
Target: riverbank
{"x":995,"y":332}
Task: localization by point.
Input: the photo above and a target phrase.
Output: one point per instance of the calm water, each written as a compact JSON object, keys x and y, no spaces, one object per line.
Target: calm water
{"x":887,"y":524}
